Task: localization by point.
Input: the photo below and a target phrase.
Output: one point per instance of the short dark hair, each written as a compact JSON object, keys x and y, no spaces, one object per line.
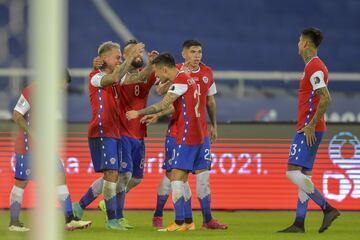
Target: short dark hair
{"x":191,"y":43}
{"x":164,"y":59}
{"x":67,"y":76}
{"x":314,"y":34}
{"x":130,"y":42}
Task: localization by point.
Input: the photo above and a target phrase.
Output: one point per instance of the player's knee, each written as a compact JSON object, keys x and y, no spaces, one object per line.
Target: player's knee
{"x":21,"y":183}
{"x":111,"y":175}
{"x":202,"y":184}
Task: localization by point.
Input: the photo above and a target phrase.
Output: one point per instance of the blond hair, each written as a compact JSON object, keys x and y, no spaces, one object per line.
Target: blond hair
{"x":107,"y":46}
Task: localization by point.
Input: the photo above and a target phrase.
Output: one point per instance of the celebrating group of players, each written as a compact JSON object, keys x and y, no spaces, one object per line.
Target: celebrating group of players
{"x":119,"y":89}
{"x":119,"y":85}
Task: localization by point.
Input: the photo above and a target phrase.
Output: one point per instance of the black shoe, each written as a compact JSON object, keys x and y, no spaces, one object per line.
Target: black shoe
{"x":329,"y":217}
{"x":293,"y":229}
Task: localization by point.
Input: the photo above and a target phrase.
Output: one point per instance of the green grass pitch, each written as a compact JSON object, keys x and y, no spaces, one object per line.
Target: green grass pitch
{"x":243,"y":225}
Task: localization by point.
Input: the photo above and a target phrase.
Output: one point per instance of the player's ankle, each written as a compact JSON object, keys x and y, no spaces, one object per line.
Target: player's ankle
{"x":179,"y":222}
{"x":188,"y":220}
{"x":299,"y":224}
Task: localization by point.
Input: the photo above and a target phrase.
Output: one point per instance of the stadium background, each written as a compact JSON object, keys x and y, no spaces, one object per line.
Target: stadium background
{"x":252,"y":46}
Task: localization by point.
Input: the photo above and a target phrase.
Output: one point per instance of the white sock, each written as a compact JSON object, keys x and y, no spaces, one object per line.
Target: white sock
{"x":62,"y":192}
{"x":97,"y":186}
{"x":203,"y":184}
{"x":164,"y":187}
{"x":177,"y":188}
{"x":301,"y":180}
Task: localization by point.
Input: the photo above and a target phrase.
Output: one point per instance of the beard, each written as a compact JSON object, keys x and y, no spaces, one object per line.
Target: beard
{"x":137,"y":63}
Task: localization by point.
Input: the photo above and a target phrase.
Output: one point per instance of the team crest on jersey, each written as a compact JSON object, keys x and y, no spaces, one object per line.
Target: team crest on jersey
{"x":205,"y":79}
{"x":112,"y":160}
{"x":317,"y":80}
{"x":123,"y":164}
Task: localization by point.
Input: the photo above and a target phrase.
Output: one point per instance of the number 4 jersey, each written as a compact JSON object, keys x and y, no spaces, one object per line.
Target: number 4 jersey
{"x":186,"y":115}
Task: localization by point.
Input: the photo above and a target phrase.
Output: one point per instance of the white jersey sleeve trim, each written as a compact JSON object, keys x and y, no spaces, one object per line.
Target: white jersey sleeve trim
{"x":96,"y":79}
{"x":122,"y":80}
{"x":317,"y":80}
{"x":22,"y":105}
{"x":212,"y":90}
{"x":178,"y":89}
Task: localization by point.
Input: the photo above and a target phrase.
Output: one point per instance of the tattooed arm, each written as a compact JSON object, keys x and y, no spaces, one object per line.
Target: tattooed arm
{"x":153,"y":118}
{"x":138,"y":77}
{"x":324,"y":102}
{"x":165,"y":103}
{"x":122,"y":69}
{"x":116,"y":75}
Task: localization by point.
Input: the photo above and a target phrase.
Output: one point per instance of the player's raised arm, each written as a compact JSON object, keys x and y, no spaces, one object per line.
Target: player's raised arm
{"x":110,"y":54}
{"x":144,"y":74}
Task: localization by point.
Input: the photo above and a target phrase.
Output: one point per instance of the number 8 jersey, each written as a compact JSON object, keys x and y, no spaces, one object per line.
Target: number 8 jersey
{"x":186,"y":115}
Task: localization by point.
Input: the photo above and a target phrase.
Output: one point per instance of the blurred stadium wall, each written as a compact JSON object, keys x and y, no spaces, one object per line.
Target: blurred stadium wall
{"x":251,"y":45}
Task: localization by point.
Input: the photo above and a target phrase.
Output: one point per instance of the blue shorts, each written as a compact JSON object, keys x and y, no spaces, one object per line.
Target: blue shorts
{"x":169,"y":151}
{"x":105,"y":153}
{"x":203,"y":162}
{"x":184,"y":156}
{"x":301,"y":154}
{"x":133,"y":156}
{"x":23,"y":167}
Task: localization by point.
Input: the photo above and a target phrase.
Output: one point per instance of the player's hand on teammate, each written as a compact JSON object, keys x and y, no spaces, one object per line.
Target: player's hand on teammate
{"x":162,"y":88}
{"x":152,"y":55}
{"x":309,"y":133}
{"x":132,"y":114}
{"x":97,"y":62}
{"x":186,"y":68}
{"x":213,"y":134}
{"x":149,"y":119}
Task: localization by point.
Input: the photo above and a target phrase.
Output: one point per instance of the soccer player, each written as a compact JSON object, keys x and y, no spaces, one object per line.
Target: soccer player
{"x":184,"y":96}
{"x":132,"y":133}
{"x":104,"y":127}
{"x":21,"y":117}
{"x":203,"y":76}
{"x":314,"y":99}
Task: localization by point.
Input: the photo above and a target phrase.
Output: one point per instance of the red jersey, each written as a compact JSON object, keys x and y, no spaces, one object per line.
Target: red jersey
{"x":134,"y":96}
{"x":188,"y":127}
{"x":315,"y":77}
{"x":22,"y":143}
{"x":204,"y":80}
{"x":105,"y":108}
